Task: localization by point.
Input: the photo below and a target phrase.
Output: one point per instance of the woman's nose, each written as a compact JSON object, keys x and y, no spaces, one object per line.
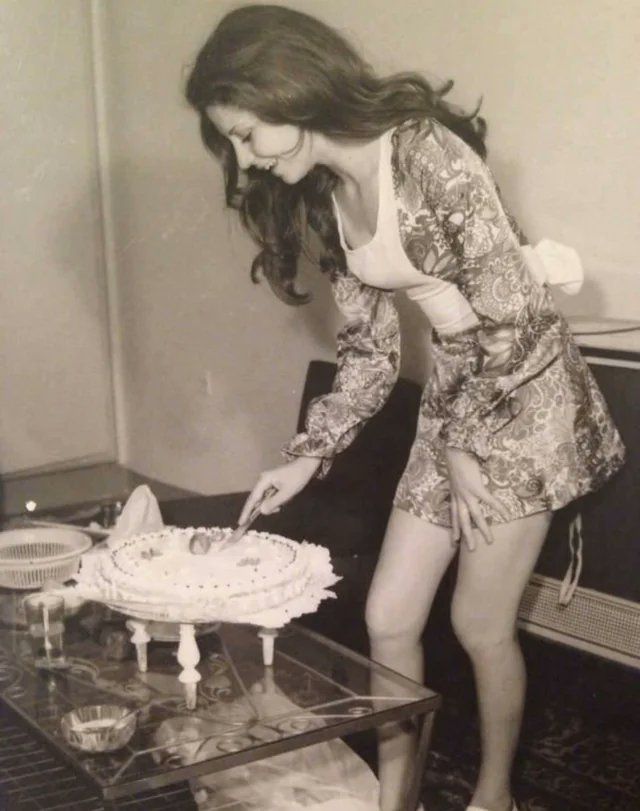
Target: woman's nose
{"x":244,"y":156}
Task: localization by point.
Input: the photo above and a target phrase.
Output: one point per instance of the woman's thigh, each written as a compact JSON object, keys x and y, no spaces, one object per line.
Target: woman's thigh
{"x":491,"y":579}
{"x":414,"y":556}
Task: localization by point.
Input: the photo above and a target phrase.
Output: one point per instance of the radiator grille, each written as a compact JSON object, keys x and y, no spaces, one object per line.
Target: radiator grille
{"x":593,"y":621}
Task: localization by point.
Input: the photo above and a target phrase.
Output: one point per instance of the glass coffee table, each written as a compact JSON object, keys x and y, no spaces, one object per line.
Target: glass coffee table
{"x":315,"y":691}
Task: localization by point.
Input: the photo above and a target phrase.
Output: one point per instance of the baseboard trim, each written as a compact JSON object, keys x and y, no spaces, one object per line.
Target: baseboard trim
{"x":593,"y":622}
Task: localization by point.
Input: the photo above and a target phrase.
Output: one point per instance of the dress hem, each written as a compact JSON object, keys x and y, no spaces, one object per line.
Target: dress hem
{"x":553,"y":505}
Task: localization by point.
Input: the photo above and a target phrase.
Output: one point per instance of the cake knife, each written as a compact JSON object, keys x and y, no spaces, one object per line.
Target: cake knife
{"x":199,"y":543}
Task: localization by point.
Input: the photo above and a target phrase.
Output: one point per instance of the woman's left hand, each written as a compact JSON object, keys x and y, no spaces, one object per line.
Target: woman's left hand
{"x":467,"y":493}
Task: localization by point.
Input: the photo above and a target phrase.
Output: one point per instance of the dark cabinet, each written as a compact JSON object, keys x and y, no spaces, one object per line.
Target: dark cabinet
{"x":611,"y":516}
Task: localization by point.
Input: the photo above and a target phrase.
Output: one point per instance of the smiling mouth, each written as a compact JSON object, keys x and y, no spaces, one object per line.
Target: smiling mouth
{"x":291,"y":153}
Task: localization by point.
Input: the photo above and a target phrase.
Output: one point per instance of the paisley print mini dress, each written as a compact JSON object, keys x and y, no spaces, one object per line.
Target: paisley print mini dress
{"x":508,"y":385}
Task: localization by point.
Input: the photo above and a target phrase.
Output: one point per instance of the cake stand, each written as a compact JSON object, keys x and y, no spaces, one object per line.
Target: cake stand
{"x":143,"y":623}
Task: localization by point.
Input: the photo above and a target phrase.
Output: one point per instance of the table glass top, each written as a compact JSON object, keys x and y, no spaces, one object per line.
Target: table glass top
{"x":316,"y":690}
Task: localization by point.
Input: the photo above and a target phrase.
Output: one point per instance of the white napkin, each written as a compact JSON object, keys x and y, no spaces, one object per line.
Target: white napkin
{"x":556,"y":264}
{"x":140,"y":514}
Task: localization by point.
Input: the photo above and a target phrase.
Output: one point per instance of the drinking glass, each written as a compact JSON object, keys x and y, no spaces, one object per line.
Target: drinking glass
{"x":45,"y":620}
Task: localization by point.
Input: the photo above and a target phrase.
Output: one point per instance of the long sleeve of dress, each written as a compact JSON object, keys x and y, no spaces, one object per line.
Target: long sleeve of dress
{"x":368,"y":359}
{"x":472,"y":243}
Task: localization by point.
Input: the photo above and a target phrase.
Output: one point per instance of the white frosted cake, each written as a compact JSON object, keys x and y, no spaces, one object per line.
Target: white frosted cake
{"x":260,"y":573}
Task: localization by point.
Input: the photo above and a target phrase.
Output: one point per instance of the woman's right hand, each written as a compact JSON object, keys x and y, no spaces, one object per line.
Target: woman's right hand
{"x":288,"y":480}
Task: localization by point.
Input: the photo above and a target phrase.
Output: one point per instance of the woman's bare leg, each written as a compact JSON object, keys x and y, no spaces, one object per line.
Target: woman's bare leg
{"x":490,"y":583}
{"x":415,"y":555}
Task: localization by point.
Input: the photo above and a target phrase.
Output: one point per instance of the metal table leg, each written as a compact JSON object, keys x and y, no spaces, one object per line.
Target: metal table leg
{"x":420,"y":762}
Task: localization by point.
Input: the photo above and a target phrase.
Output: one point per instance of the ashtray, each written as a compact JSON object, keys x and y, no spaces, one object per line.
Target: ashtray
{"x":99,"y":727}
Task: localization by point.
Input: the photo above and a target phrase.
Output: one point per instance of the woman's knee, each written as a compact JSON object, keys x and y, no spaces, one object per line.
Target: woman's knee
{"x":386,"y":622}
{"x":481,"y":632}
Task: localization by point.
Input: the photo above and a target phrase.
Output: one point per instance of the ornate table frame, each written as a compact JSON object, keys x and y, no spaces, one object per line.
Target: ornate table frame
{"x":331,"y":689}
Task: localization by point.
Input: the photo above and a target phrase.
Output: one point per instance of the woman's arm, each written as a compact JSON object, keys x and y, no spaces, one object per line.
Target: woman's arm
{"x":368,"y":360}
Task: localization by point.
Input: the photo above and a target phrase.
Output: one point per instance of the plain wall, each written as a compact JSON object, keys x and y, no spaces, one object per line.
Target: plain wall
{"x":213,"y":365}
{"x":55,"y":373}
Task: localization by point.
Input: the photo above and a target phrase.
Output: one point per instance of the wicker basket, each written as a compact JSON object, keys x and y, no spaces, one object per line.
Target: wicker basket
{"x":31,"y":557}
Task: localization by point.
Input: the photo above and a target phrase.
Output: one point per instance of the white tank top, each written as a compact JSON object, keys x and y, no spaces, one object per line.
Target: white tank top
{"x":382,"y":262}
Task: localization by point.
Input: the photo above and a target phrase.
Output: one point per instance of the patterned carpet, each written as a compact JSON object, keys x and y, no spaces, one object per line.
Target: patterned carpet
{"x":580,"y":745}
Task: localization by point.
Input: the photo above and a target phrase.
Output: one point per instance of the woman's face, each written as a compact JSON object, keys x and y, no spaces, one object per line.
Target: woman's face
{"x":283,"y":149}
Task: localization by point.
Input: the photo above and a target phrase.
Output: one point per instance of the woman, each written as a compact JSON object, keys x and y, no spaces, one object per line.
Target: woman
{"x":512,"y":426}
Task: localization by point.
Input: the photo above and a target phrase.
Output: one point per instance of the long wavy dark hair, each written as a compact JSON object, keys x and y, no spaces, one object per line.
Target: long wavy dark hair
{"x":287,"y":67}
